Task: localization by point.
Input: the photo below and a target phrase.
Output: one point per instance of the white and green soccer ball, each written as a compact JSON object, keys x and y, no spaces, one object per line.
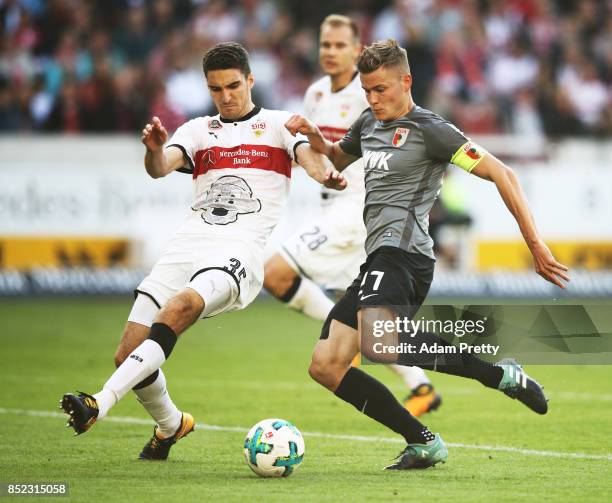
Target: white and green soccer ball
{"x":274,"y":448}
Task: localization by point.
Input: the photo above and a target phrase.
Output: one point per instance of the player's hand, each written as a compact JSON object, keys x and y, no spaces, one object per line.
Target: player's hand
{"x":547,"y":266}
{"x":298,"y":124}
{"x":154,"y":135}
{"x":334,"y":180}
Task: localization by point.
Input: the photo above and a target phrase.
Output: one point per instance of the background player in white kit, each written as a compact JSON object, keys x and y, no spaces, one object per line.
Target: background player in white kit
{"x":327,"y":252}
{"x":240,"y":161}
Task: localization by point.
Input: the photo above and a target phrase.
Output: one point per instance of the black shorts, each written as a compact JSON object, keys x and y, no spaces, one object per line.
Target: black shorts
{"x":389,"y":277}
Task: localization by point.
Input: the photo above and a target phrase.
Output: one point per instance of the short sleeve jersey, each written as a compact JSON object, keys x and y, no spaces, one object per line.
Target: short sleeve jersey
{"x":404,"y":162}
{"x":241,"y":171}
{"x":333,"y":113}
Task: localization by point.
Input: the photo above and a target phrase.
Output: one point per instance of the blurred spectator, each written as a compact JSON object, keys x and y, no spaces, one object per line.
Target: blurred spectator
{"x":97,"y":97}
{"x":171,"y":117}
{"x":41,"y":102}
{"x":134,"y":38}
{"x":65,"y":115}
{"x":215,"y":22}
{"x":185,"y":83}
{"x":512,"y":70}
{"x":264,"y":64}
{"x":587,"y":96}
{"x":509,"y":73}
{"x":525,"y":120}
{"x":522,"y":66}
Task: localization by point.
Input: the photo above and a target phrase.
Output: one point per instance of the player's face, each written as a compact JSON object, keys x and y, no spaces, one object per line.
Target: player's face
{"x":388,"y":92}
{"x":231,"y":92}
{"x":338,"y":50}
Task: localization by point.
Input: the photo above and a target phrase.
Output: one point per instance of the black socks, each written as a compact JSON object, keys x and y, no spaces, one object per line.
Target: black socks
{"x":372,"y":398}
{"x":459,"y":364}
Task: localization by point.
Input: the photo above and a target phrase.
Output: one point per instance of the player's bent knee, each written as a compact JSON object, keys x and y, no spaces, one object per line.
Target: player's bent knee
{"x":279,"y":276}
{"x":327,"y":367}
{"x":181,"y":311}
{"x":320,"y":372}
{"x":218,"y":288}
{"x":328,"y":375}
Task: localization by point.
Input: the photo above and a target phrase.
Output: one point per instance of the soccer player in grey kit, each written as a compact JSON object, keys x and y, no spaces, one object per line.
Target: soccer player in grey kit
{"x":406,"y":150}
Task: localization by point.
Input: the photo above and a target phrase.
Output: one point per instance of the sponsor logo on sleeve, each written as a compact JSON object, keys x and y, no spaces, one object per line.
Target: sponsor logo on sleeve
{"x":399,"y":138}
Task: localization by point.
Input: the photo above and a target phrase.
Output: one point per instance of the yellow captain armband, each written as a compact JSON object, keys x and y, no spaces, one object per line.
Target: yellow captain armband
{"x":468,"y":156}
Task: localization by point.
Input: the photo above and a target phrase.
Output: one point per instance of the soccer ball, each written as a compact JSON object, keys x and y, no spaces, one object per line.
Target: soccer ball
{"x":274,"y":448}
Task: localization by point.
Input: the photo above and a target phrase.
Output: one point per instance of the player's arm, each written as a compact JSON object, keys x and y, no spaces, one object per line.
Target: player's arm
{"x":159,"y":161}
{"x":319,"y":167}
{"x":506,"y":181}
{"x":339,"y":158}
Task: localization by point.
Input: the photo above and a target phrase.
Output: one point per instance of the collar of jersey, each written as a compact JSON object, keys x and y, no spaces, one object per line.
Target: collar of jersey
{"x":246,"y":117}
{"x":391,"y":124}
{"x":350,"y":82}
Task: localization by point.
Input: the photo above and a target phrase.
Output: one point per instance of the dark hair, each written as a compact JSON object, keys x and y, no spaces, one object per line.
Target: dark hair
{"x":225,"y":56}
{"x":382,"y":53}
{"x":337,"y":20}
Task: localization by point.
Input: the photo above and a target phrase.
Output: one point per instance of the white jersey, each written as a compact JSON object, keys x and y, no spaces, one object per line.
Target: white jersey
{"x":334,"y":113}
{"x":241,"y":171}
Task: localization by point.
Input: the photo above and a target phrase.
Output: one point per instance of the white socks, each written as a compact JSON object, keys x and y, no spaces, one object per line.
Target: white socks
{"x":311,"y":300}
{"x":412,"y":376}
{"x":142,"y":362}
{"x":159,"y":405}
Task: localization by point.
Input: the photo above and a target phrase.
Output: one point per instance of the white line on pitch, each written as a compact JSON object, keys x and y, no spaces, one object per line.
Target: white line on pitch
{"x":354,"y":438}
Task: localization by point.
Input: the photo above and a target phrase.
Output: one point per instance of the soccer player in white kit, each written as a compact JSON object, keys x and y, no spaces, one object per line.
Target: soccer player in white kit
{"x":240,"y":161}
{"x":328,"y":252}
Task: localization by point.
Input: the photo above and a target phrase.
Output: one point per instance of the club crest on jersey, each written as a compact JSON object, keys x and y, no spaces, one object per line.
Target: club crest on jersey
{"x":399,"y":138}
{"x":258,"y":128}
{"x":214,"y":124}
{"x":318,"y":95}
{"x":345,"y":108}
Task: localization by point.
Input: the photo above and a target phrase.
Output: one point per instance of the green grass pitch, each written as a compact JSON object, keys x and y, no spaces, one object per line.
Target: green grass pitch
{"x":239,"y":368}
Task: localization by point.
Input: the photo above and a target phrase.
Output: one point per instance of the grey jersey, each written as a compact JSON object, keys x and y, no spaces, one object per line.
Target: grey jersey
{"x":404,"y":162}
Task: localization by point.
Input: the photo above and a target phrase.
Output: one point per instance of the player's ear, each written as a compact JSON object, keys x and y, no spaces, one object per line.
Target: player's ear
{"x":406,"y":82}
{"x":250,"y":80}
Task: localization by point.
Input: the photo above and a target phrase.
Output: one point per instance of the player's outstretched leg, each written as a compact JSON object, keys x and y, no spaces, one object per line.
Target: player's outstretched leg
{"x":518,"y":385}
{"x":506,"y":375}
{"x":174,"y":318}
{"x":331,"y":368}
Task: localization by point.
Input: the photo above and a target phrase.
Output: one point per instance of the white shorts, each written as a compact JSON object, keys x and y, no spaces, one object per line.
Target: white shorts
{"x":228,"y":274}
{"x":330,"y":249}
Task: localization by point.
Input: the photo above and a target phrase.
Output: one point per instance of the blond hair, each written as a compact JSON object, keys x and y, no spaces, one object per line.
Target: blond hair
{"x":337,"y":20}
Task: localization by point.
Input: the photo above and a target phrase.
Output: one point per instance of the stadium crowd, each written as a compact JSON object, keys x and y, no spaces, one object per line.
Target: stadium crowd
{"x":533,"y":67}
